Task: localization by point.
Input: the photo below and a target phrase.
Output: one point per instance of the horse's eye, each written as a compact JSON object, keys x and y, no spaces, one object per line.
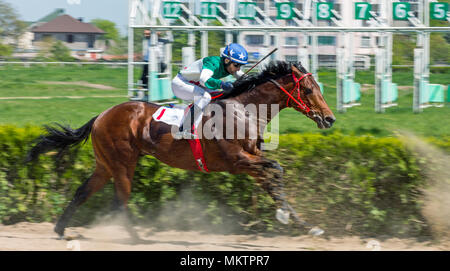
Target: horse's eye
{"x":308,"y":91}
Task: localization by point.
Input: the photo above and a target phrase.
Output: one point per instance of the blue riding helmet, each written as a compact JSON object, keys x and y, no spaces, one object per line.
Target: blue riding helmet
{"x":236,"y":53}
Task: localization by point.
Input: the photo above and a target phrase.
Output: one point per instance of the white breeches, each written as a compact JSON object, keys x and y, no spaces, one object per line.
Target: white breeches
{"x":191,"y":92}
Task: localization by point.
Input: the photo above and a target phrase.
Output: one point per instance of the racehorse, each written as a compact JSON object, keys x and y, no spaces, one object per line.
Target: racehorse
{"x":125,"y":132}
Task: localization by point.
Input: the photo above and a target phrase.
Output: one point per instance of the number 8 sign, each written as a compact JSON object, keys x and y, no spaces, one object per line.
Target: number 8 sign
{"x":324,"y":11}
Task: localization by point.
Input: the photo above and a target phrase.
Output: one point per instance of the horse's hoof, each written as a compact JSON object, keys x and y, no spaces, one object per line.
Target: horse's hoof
{"x":316,"y":231}
{"x":282,"y":216}
{"x":60,"y":232}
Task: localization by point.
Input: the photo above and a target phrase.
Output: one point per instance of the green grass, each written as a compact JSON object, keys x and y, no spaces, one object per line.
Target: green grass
{"x":18,"y":81}
{"x":363,"y":119}
{"x":15,"y":74}
{"x":75,"y":112}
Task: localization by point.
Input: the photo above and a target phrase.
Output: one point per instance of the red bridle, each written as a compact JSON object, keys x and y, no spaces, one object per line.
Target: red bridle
{"x":300,"y":103}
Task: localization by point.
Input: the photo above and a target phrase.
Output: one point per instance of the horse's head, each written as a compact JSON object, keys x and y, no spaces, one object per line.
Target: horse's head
{"x":299,"y":90}
{"x":307,"y":98}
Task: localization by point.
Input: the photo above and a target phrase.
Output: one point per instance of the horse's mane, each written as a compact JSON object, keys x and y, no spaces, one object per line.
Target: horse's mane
{"x":273,"y":70}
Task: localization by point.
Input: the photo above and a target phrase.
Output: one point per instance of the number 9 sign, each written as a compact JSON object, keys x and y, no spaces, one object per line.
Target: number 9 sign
{"x":285,"y":10}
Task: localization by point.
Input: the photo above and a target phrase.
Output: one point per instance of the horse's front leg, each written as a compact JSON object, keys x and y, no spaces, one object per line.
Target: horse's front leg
{"x":269,"y":174}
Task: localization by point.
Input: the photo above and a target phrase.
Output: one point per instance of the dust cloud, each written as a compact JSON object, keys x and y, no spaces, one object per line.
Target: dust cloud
{"x":435,"y":164}
{"x":186,"y":213}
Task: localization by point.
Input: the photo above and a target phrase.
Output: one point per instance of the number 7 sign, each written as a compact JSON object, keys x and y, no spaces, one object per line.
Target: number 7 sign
{"x":362,"y":10}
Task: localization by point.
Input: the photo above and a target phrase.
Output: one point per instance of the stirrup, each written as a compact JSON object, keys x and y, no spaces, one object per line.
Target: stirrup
{"x":184,"y":135}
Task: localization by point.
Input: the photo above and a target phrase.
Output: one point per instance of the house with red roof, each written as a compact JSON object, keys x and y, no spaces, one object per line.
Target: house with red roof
{"x":80,"y":37}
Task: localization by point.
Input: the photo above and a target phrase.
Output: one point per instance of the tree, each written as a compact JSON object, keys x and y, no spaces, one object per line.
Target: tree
{"x":112,"y":34}
{"x":5,"y":50}
{"x":54,"y":50}
{"x":440,"y":42}
{"x":10,"y":25}
{"x":403,"y":49}
{"x":439,"y":49}
{"x":216,"y":40}
{"x":60,"y":52}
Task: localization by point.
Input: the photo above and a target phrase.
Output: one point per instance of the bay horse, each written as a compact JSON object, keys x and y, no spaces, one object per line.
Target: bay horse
{"x":123,"y":133}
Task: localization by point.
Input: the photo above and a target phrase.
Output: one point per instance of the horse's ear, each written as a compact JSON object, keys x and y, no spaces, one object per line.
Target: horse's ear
{"x":296,"y":71}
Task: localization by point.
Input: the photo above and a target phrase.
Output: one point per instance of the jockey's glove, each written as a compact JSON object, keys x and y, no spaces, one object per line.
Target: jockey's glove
{"x":226,"y":86}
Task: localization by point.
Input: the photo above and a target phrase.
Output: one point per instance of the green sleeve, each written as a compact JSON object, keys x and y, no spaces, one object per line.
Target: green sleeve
{"x":212,"y":83}
{"x":212,"y":64}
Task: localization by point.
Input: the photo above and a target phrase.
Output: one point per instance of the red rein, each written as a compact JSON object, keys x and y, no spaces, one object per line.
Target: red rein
{"x":301,"y":104}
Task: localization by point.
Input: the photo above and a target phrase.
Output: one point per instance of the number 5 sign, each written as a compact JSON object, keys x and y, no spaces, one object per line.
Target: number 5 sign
{"x":438,"y":11}
{"x":362,"y":10}
{"x":400,"y":10}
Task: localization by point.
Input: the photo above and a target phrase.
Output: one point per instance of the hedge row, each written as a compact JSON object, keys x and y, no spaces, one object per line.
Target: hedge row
{"x":345,"y":184}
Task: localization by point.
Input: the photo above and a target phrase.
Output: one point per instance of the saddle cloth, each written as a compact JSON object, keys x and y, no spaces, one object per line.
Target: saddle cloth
{"x":174,"y":116}
{"x":171,"y":116}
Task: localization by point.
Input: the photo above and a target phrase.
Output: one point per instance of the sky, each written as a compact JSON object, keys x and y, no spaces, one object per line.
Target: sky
{"x":112,"y":10}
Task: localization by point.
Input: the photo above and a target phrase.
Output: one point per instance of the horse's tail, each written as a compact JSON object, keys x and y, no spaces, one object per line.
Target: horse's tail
{"x":59,"y":139}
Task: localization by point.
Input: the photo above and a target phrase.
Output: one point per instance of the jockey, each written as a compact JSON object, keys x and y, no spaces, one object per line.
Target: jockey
{"x":198,"y":81}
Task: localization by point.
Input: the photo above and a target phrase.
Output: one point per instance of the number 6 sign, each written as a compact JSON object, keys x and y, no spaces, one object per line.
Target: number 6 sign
{"x":400,"y":10}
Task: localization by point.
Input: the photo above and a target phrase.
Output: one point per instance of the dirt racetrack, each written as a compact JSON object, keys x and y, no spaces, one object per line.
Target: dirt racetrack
{"x":40,"y":236}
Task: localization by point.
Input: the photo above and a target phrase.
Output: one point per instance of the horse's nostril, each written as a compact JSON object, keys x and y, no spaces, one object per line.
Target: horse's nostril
{"x":330,"y":119}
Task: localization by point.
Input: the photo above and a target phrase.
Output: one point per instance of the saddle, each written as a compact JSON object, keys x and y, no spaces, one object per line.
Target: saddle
{"x":174,"y":116}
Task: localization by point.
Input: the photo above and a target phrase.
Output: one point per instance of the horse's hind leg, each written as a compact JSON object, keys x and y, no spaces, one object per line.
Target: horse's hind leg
{"x":269,"y":174}
{"x":123,"y":176}
{"x":98,"y":179}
